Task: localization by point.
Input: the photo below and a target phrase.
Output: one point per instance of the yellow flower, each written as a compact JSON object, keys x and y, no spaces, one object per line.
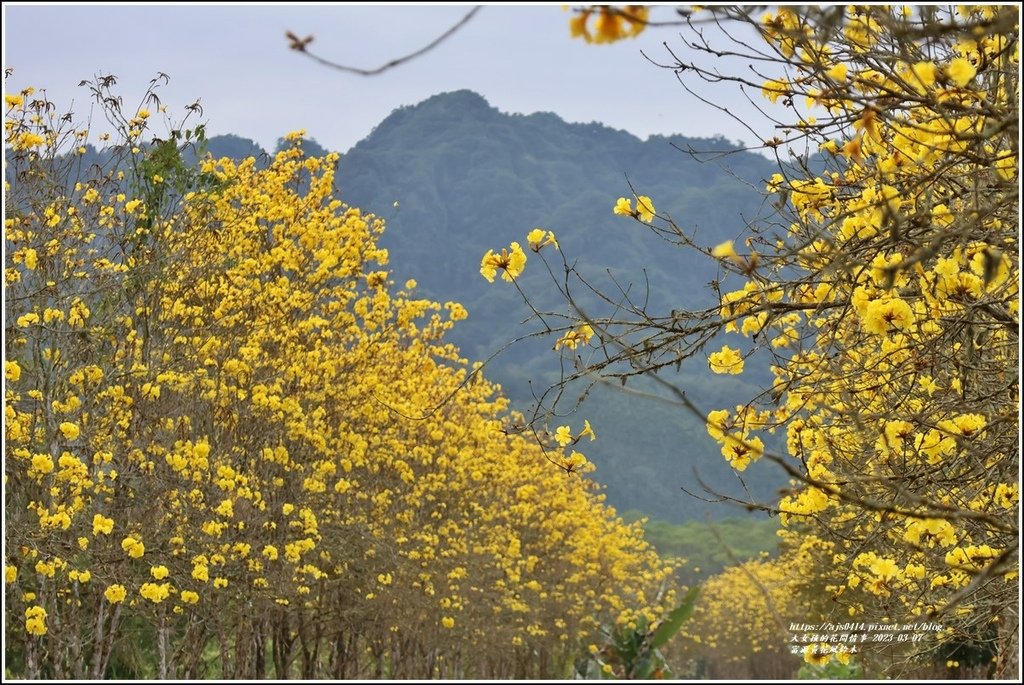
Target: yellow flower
{"x":510,"y":262}
{"x":816,"y":655}
{"x":42,"y":463}
{"x":725,"y":250}
{"x":609,"y":27}
{"x":102,"y":525}
{"x":35,"y":620}
{"x":578,"y":26}
{"x":886,"y":569}
{"x":131,"y":206}
{"x":717,"y":423}
{"x":115,"y":594}
{"x":448,"y":622}
{"x":70,"y":430}
{"x":159,"y":572}
{"x":134,"y":548}
{"x":226,"y":509}
{"x":80,"y":576}
{"x":10,"y":573}
{"x":220,"y":582}
{"x":922,"y":74}
{"x":739,"y":450}
{"x":13,"y":101}
{"x":12,"y":371}
{"x":637,"y":16}
{"x":563,"y":436}
{"x":1006,"y":495}
{"x":78,"y":314}
{"x":155,"y":592}
{"x":623,"y":207}
{"x":587,"y":431}
{"x":538,"y":238}
{"x":838,"y":72}
{"x":574,"y":460}
{"x":645,"y":208}
{"x":26,"y":140}
{"x":31,"y":259}
{"x":151,"y":391}
{"x":886,"y":314}
{"x":772,"y":90}
{"x":270,"y":552}
{"x":575,"y":337}
{"x":189,"y":597}
{"x":726,"y":360}
{"x":966,"y":425}
{"x":961,"y":71}
{"x":929,"y":384}
{"x":201,"y":572}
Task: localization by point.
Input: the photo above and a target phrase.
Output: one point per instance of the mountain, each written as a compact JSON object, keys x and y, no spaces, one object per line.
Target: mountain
{"x":465,"y":172}
{"x":469,"y":178}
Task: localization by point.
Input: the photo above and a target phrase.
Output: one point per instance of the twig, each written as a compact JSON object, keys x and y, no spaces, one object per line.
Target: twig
{"x":301,"y":46}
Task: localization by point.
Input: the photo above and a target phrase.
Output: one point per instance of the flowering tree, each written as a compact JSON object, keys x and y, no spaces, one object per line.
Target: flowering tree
{"x":231,"y":441}
{"x":882,"y":292}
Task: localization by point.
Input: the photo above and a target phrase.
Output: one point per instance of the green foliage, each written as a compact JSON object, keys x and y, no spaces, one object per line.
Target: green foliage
{"x":706,"y":551}
{"x":833,"y":670}
{"x":675,"y":620}
{"x":168,"y":171}
{"x":976,"y":648}
{"x":632,"y":651}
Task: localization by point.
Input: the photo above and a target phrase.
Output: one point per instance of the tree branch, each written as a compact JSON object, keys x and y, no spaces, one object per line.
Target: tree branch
{"x":299,"y":45}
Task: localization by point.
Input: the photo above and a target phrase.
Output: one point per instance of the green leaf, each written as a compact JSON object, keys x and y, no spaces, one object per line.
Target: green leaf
{"x":675,"y":620}
{"x":643,"y":669}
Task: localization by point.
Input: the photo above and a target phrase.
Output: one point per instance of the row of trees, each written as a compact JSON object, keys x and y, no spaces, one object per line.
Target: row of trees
{"x":883,"y":292}
{"x":234,"y":448}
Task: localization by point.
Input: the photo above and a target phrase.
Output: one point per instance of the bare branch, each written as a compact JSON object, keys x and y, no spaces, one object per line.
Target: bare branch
{"x":302,"y":45}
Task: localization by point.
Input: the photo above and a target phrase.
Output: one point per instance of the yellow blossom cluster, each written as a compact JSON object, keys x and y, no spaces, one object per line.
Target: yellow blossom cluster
{"x":744,"y":616}
{"x":232,"y":421}
{"x":510,"y":262}
{"x":885,"y":288}
{"x":606,"y":24}
{"x":895,"y":328}
{"x":644,"y":208}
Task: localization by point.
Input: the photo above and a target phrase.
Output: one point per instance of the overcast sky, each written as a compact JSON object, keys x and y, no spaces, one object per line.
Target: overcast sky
{"x":236,"y":60}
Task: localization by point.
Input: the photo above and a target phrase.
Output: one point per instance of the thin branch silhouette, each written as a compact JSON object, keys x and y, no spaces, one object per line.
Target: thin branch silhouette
{"x":301,"y":45}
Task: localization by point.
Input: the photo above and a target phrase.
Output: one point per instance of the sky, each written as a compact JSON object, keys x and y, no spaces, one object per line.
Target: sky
{"x":235,"y":59}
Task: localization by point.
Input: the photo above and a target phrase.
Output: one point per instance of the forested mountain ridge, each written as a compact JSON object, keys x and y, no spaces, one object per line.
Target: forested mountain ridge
{"x":470,"y":178}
